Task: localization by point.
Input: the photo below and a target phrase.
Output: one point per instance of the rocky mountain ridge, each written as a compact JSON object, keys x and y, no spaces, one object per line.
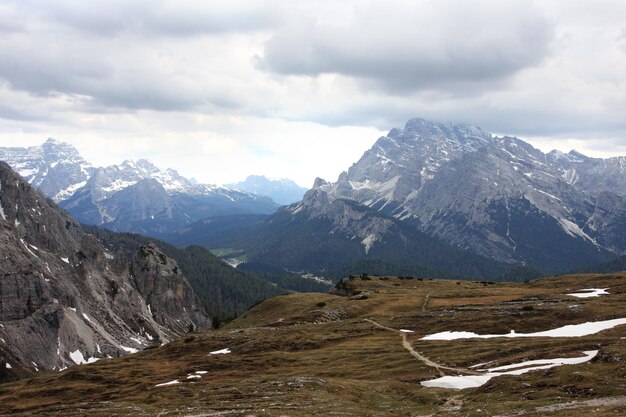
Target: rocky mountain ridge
{"x":64,"y":300}
{"x":499,"y":197}
{"x":56,"y":168}
{"x":134,"y":196}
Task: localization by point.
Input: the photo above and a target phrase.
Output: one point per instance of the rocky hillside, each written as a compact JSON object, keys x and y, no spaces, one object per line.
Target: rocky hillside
{"x":65,"y":301}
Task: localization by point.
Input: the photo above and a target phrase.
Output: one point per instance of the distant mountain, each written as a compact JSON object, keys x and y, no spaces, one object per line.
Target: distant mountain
{"x":134,"y":196}
{"x":499,"y":197}
{"x":64,"y":299}
{"x":283,"y":191}
{"x":55,"y":168}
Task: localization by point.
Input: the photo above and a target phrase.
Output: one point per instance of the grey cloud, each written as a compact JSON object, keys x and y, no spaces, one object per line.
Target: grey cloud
{"x":101,"y":78}
{"x":416,"y":45}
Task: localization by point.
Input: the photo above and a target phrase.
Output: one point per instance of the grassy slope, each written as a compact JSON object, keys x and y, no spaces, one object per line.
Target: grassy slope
{"x":314,"y":354}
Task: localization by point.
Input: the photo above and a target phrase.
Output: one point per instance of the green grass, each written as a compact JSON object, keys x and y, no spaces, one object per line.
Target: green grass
{"x":226,"y":252}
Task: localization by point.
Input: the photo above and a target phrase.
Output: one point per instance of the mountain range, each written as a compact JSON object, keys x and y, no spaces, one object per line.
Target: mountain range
{"x":496,"y":197}
{"x":134,"y":196}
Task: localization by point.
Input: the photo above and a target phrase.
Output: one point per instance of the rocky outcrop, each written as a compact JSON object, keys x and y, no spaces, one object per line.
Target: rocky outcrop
{"x":166,"y":290}
{"x":64,"y":300}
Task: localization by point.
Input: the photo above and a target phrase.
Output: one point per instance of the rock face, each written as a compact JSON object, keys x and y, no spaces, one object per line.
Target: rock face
{"x":166,"y":290}
{"x":64,"y":300}
{"x":499,"y":197}
{"x":134,"y":196}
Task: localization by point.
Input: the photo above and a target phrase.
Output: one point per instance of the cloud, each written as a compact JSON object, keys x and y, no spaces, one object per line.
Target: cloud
{"x":106,"y":74}
{"x":414,"y":45}
{"x":280,"y":87}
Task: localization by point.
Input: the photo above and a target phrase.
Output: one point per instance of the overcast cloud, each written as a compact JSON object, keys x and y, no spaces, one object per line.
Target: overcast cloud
{"x":299,"y":89}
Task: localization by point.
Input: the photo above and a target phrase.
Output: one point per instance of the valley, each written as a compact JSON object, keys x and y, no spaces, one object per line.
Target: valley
{"x":366,"y":353}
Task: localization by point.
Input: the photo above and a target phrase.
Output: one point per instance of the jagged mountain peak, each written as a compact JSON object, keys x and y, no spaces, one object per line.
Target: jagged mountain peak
{"x":320,"y":182}
{"x":55,"y":167}
{"x":459,"y":183}
{"x":458,"y":131}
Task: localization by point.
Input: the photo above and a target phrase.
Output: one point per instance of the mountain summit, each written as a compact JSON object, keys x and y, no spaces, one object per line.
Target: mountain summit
{"x":56,"y":168}
{"x":497,"y":196}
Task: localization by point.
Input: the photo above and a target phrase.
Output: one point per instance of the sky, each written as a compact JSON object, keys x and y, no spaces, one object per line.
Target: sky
{"x":300,"y":89}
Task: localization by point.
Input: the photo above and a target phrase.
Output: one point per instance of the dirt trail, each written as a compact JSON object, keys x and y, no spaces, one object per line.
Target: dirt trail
{"x":426,"y":361}
{"x":426,"y":300}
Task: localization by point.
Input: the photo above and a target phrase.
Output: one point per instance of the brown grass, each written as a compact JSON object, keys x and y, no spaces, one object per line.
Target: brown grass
{"x":293,"y":356}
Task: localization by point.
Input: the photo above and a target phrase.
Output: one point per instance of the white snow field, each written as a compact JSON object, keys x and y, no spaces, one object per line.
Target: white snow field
{"x":571,"y":330}
{"x":473,"y":381}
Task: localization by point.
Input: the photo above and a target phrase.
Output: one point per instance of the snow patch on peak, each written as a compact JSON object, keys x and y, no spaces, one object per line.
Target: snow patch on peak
{"x":368,"y":242}
{"x":4,"y":217}
{"x":574,"y":230}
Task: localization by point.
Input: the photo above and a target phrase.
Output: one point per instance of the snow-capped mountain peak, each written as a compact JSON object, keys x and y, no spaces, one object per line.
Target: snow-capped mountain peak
{"x":135,"y":195}
{"x":460,"y":184}
{"x":55,"y":167}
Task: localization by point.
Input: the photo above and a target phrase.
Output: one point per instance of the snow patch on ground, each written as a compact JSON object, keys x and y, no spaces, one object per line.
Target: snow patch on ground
{"x":406,"y":331}
{"x":572,"y":330}
{"x":66,"y":260}
{"x":221,"y":352}
{"x":473,"y":381}
{"x":589,"y":292}
{"x":129,"y":349}
{"x":8,"y":365}
{"x":79,"y":359}
{"x":165,"y":384}
{"x":29,"y":251}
